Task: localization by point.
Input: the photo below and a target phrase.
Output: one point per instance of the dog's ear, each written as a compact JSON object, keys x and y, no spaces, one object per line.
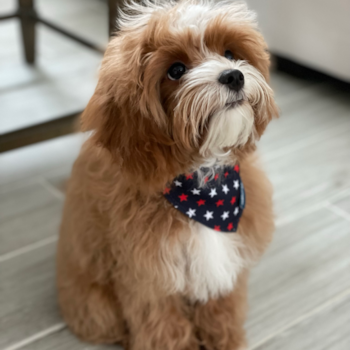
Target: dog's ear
{"x":134,"y":141}
{"x":93,"y":117}
{"x":270,"y":111}
{"x":128,"y":130}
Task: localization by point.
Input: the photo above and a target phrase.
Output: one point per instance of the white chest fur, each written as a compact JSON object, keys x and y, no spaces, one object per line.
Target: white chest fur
{"x":211,"y":262}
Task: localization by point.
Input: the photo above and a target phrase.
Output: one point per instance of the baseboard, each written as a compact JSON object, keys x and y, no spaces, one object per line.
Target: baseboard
{"x":288,"y":66}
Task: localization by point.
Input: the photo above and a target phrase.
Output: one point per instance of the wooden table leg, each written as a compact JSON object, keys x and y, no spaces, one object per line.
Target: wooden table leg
{"x":27,"y":17}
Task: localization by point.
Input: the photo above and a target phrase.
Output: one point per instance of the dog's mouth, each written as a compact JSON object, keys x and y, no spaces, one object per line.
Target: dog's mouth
{"x":234,"y":104}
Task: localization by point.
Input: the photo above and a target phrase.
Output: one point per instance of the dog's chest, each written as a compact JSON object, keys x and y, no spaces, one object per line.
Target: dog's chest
{"x":211,"y":263}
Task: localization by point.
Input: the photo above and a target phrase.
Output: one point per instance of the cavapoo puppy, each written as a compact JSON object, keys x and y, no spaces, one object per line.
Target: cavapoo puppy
{"x":166,"y":208}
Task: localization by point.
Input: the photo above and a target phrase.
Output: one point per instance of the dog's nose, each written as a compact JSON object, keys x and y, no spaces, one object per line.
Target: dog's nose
{"x":233,"y":78}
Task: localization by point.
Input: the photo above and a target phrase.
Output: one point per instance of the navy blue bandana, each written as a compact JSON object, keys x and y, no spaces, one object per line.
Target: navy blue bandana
{"x":219,"y":204}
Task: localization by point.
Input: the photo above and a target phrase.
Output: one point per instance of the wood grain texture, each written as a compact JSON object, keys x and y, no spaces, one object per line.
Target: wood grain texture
{"x":27,"y":295}
{"x":307,"y":264}
{"x":65,"y":340}
{"x":44,"y":159}
{"x":30,"y":227}
{"x":311,"y":175}
{"x":22,"y":200}
{"x":328,"y":329}
{"x":344,"y":204}
{"x":308,"y":117}
{"x":307,"y":152}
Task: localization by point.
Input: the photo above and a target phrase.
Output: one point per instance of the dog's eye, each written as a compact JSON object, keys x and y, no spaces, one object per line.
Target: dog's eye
{"x":229,"y":55}
{"x":176,"y":71}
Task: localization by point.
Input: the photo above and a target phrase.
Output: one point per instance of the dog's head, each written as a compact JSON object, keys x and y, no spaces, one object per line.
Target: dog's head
{"x":181,"y":85}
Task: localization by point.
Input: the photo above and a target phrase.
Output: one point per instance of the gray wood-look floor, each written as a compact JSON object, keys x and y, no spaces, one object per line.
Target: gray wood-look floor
{"x":300,"y":291}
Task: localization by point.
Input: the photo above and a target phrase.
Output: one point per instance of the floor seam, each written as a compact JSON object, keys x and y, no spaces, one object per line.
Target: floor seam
{"x":333,"y":301}
{"x":40,"y":335}
{"x":307,"y":141}
{"x":17,"y":185}
{"x":52,"y":189}
{"x":280,"y":222}
{"x":298,"y":215}
{"x":28,"y":248}
{"x":338,"y":211}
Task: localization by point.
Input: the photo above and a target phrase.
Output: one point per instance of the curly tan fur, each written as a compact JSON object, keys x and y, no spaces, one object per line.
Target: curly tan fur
{"x":121,"y":243}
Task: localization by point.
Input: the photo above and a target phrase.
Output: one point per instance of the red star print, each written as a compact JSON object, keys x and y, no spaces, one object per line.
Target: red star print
{"x":217,"y":227}
{"x":183,"y":197}
{"x":206,"y":179}
{"x":201,"y":202}
{"x":189,"y":176}
{"x":230,"y":226}
{"x":216,"y":176}
{"x":236,"y":168}
{"x":226,"y":174}
{"x":233,"y":200}
{"x":219,"y":202}
{"x":166,"y":190}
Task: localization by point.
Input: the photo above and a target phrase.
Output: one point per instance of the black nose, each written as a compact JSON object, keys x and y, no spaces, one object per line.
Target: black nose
{"x":233,"y":78}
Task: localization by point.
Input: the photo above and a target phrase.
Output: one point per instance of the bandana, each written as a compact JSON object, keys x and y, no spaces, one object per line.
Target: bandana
{"x":218,"y":204}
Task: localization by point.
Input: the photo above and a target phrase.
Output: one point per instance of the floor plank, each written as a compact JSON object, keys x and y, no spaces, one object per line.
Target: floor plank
{"x":65,"y":340}
{"x":20,"y":201}
{"x":45,"y":158}
{"x":27,"y":295}
{"x":307,"y":264}
{"x":344,"y":204}
{"x":30,"y":227}
{"x":309,"y":118}
{"x":306,"y":177}
{"x":329,"y":329}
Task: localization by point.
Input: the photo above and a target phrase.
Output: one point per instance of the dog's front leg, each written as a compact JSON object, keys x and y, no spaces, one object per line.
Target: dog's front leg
{"x":220,"y":322}
{"x":157,"y":323}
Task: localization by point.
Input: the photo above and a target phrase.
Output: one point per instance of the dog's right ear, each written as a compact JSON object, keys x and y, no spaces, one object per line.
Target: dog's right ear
{"x":102,"y":116}
{"x":102,"y":113}
{"x":96,"y":113}
{"x":127,"y":118}
{"x":92,"y":117}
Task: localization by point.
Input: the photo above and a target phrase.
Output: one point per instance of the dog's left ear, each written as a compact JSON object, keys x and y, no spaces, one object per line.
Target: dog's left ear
{"x":270,"y":111}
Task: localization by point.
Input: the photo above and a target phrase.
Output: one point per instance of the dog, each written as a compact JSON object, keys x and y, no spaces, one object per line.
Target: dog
{"x":167,"y":207}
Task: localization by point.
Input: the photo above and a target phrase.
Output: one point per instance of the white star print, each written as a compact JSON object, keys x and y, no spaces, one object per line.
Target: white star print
{"x":178,"y":183}
{"x":191,"y":212}
{"x":176,"y":206}
{"x":208,"y":215}
{"x":236,"y":211}
{"x":225,"y":215}
{"x":225,"y":189}
{"x":212,"y":192}
{"x":236,"y":184}
{"x":195,"y":191}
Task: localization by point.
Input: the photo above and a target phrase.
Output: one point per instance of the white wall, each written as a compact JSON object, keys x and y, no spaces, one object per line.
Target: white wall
{"x":315,"y":33}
